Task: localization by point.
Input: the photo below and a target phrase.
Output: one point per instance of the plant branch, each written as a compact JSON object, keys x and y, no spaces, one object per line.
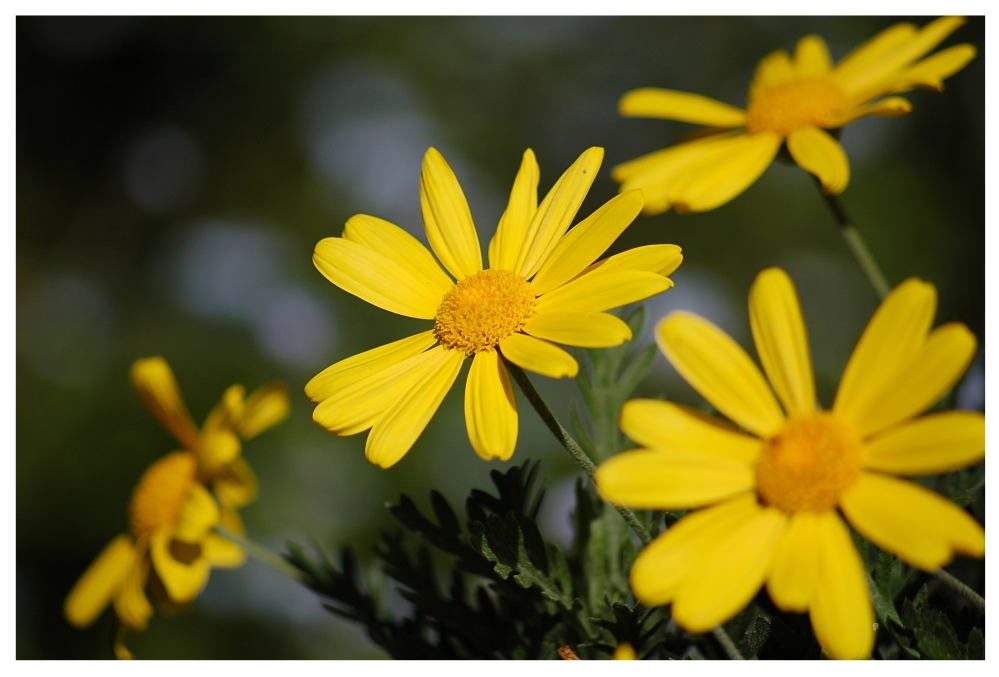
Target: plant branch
{"x":857,"y":246}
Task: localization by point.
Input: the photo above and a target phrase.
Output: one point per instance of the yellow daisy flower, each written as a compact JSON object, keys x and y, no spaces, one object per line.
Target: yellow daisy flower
{"x":774,"y":494}
{"x":170,"y":546}
{"x":792,"y":101}
{"x":217,"y":445}
{"x":542,"y":287}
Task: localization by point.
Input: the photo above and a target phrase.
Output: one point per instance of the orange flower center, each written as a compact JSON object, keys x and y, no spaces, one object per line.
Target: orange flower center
{"x":161,"y":493}
{"x":791,"y":105}
{"x":808,"y":464}
{"x":483,"y":309}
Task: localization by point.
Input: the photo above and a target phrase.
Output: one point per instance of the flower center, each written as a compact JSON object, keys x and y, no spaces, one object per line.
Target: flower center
{"x":795,"y":104}
{"x":161,"y":492}
{"x":483,"y":309}
{"x":808,"y":464}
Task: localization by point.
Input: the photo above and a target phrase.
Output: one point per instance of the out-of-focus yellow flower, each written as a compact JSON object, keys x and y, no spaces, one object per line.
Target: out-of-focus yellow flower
{"x":773,"y":498}
{"x":544,"y":286}
{"x":624,"y":652}
{"x":168,"y":550}
{"x":793,"y":100}
{"x":217,"y":445}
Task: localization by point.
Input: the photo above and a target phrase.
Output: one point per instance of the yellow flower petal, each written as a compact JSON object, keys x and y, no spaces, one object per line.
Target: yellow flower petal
{"x":226,"y":413}
{"x":373,"y":277}
{"x":927,"y":377}
{"x":727,"y":171}
{"x":215,"y":451}
{"x":265,"y":408}
{"x":198,"y":515}
{"x":818,"y":153}
{"x":130,"y":601}
{"x":538,"y":356}
{"x":841,"y":612}
{"x":867,"y":55}
{"x":357,"y":405}
{"x":153,"y":380}
{"x":663,"y":259}
{"x":490,"y":407}
{"x":330,"y":380}
{"x":811,"y":57}
{"x":932,"y":71}
{"x":665,"y":564}
{"x":933,"y":444}
{"x":773,"y":69}
{"x":668,"y":104}
{"x":920,"y":527}
{"x":401,"y":248}
{"x":582,"y":245}
{"x":92,"y":593}
{"x":731,"y":575}
{"x":557,"y":210}
{"x":447,"y":219}
{"x":237,"y":486}
{"x":671,"y":480}
{"x":664,"y":425}
{"x":395,"y":432}
{"x":781,"y":340}
{"x":873,"y":80}
{"x":891,"y":107}
{"x":580,"y":329}
{"x":896,"y":331}
{"x":220,"y":551}
{"x":182,"y":581}
{"x":603,"y":289}
{"x":797,"y":560}
{"x":511,"y":232}
{"x":716,"y":367}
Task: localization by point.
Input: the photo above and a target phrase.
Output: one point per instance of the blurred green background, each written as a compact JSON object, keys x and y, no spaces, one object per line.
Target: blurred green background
{"x":174,"y":175}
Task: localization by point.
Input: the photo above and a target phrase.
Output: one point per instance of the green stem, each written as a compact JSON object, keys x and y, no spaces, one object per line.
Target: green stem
{"x":731,"y":650}
{"x":858,"y":247}
{"x":961,"y":589}
{"x":263,"y":555}
{"x":565,"y":439}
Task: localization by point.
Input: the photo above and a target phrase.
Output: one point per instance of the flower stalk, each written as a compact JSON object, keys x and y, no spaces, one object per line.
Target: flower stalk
{"x":263,"y":555}
{"x":858,"y":247}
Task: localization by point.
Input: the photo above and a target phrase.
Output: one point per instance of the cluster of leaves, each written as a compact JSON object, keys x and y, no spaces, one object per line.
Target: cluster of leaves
{"x":489,"y":586}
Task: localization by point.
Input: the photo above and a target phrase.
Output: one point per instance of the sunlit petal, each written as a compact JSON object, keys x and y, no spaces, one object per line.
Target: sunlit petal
{"x":781,"y":340}
{"x":490,"y":407}
{"x":511,"y":232}
{"x":395,"y":432}
{"x":92,"y":593}
{"x":602,"y":289}
{"x":183,"y":581}
{"x":153,"y":379}
{"x":582,"y":245}
{"x":811,"y":57}
{"x":920,"y":527}
{"x":817,"y":152}
{"x":358,"y":367}
{"x":447,"y":219}
{"x":797,"y":560}
{"x":932,"y":71}
{"x":664,"y":425}
{"x":732,"y":575}
{"x":929,"y":445}
{"x":716,"y":367}
{"x":538,"y":356}
{"x":650,"y":102}
{"x":841,"y":611}
{"x":893,"y":106}
{"x":684,"y":549}
{"x":671,"y":480}
{"x":578,"y":328}
{"x":557,"y":211}
{"x":263,"y":409}
{"x":373,"y":277}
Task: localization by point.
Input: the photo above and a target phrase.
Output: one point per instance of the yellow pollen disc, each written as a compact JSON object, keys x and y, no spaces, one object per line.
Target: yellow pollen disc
{"x":161,"y":492}
{"x":795,"y":104}
{"x":483,"y":309}
{"x":808,"y":464}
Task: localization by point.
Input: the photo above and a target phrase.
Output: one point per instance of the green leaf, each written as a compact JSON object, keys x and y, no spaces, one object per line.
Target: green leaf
{"x":976,"y":645}
{"x":758,"y":635}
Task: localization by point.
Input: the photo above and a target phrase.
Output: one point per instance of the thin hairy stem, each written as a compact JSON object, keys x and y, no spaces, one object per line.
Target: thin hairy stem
{"x":858,"y":247}
{"x":960,"y":588}
{"x":263,"y":555}
{"x":566,"y":440}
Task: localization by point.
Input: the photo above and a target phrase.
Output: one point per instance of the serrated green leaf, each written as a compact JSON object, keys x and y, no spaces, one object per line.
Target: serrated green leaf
{"x":976,"y":645}
{"x":936,"y":638}
{"x":884,"y":606}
